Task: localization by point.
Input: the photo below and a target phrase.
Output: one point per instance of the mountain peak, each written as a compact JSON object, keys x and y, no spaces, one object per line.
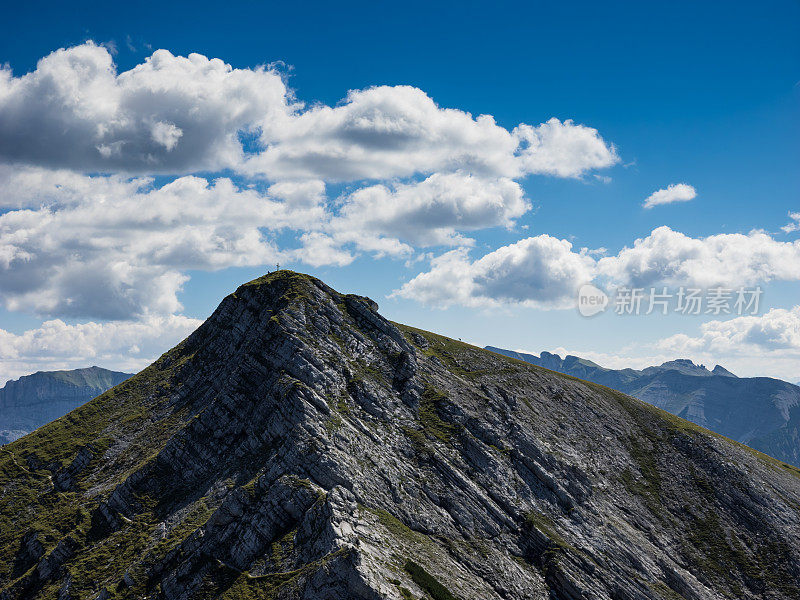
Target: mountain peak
{"x":283,"y":277}
{"x":722,"y":372}
{"x":686,"y":366}
{"x":292,"y":286}
{"x":300,"y":445}
{"x":33,"y":400}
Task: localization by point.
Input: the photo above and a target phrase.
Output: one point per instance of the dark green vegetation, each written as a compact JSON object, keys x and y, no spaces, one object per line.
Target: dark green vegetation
{"x":298,"y":445}
{"x":762,"y":412}
{"x":34,"y":400}
{"x":431,"y":403}
{"x":427,"y":582}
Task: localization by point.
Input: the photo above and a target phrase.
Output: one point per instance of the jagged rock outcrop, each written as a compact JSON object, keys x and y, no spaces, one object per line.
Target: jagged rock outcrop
{"x":299,"y":445}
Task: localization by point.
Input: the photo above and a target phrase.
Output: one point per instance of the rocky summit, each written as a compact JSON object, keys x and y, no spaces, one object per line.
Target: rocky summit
{"x":299,"y":445}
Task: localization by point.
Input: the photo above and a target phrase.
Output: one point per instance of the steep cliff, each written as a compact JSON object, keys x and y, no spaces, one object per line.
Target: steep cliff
{"x":299,"y":445}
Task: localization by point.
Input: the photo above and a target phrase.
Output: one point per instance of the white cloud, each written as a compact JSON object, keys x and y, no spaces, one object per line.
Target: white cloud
{"x":379,"y":133}
{"x":177,"y":115}
{"x":169,"y":114}
{"x":166,"y":134}
{"x":385,"y":132}
{"x":110,"y":247}
{"x":124,"y":346}
{"x":303,"y":194}
{"x":431,"y":212}
{"x":541,"y":272}
{"x":319,"y":249}
{"x":677,"y":192}
{"x":793,"y":224}
{"x":757,"y":345}
{"x":106,"y":247}
{"x":544,"y":271}
{"x":673,"y":258}
{"x":778,"y":330}
{"x":563,"y":149}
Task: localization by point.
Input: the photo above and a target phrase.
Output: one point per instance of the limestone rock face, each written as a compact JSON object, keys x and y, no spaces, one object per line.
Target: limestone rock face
{"x":299,"y":445}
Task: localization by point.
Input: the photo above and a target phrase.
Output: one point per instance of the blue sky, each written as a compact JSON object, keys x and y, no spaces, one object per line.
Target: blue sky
{"x":704,"y":94}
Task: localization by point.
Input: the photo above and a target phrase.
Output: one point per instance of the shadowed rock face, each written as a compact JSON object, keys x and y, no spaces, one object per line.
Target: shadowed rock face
{"x":762,"y":412}
{"x":299,"y":445}
{"x":31,"y":401}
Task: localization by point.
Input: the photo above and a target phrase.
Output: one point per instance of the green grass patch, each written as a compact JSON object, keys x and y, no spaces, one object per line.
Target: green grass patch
{"x":649,"y":487}
{"x":427,"y":581}
{"x":431,"y":402}
{"x":273,"y":585}
{"x":720,"y":554}
{"x":396,"y":527}
{"x":546,"y":525}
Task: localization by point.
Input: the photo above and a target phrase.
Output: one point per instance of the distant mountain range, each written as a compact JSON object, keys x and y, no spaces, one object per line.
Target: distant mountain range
{"x":762,"y":412}
{"x":31,"y":401}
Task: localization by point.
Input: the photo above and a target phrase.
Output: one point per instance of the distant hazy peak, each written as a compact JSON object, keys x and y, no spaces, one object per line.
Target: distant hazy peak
{"x":92,"y":377}
{"x":33,"y":400}
{"x":722,"y":372}
{"x":685,"y":365}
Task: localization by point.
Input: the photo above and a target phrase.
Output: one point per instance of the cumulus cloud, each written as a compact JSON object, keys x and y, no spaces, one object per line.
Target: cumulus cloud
{"x":728,"y":260}
{"x":125,"y":346}
{"x":385,"y":132}
{"x":763,"y":345}
{"x":106,"y":247}
{"x":431,"y":212}
{"x":793,"y":224}
{"x":169,"y":114}
{"x":541,"y":272}
{"x":380,"y":133}
{"x":677,"y":192}
{"x":174,"y":114}
{"x":777,"y":330}
{"x":320,"y":249}
{"x":111,"y":247}
{"x":563,"y":149}
{"x":546,"y":272}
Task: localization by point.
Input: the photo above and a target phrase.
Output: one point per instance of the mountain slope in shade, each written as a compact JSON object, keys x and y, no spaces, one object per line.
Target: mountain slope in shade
{"x":33,"y":400}
{"x":299,"y":445}
{"x":762,"y":412}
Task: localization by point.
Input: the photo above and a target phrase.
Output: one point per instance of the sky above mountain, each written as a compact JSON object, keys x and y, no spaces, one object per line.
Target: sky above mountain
{"x":468,"y":166}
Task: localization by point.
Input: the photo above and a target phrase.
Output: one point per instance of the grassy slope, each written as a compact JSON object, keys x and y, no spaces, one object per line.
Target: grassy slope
{"x":28,"y":501}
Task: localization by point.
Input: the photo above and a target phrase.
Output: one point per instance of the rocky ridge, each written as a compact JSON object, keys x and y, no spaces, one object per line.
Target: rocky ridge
{"x":299,"y":445}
